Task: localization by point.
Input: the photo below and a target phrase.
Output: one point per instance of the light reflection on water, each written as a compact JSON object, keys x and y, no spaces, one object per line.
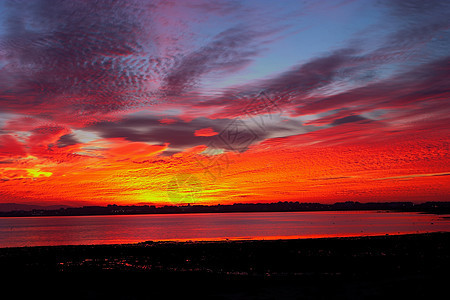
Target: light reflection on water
{"x":76,"y":230}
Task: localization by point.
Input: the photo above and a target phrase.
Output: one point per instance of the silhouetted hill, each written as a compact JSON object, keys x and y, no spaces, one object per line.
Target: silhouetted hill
{"x":7,"y":207}
{"x":428,"y":207}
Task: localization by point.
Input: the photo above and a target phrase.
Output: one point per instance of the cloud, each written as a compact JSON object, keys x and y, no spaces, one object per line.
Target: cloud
{"x":80,"y":62}
{"x":229,"y":134}
{"x":410,"y":176}
{"x":291,"y":86}
{"x":67,"y":60}
{"x":417,"y":93}
{"x":348,"y":119}
{"x":179,"y":134}
{"x":205,"y":132}
{"x":414,"y":93}
{"x":10,"y":147}
{"x":229,"y":51}
{"x":417,"y":85}
{"x":412,"y":52}
{"x":67,"y":140}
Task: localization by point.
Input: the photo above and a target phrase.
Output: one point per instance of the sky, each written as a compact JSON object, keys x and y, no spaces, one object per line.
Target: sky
{"x":220,"y":102}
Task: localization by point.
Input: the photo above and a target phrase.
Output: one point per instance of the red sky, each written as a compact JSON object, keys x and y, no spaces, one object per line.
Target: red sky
{"x":132,"y":103}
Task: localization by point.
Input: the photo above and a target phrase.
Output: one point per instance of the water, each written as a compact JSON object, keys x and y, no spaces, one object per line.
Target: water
{"x":76,"y":230}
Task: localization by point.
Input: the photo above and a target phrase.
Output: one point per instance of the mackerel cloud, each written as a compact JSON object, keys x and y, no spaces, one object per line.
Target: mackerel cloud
{"x":86,"y":65}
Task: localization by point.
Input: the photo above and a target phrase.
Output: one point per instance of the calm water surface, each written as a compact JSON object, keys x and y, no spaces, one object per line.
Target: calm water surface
{"x":76,"y":230}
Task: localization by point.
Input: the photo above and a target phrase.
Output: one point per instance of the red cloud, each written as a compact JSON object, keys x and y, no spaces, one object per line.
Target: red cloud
{"x":205,"y":132}
{"x":167,"y":121}
{"x":10,"y":147}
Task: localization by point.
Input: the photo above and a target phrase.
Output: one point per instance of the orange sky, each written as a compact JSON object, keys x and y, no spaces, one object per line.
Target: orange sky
{"x":283,"y":169}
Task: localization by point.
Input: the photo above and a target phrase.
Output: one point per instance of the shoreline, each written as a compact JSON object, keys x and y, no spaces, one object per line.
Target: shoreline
{"x":425,"y":207}
{"x":440,"y":214}
{"x":232,"y":240}
{"x":180,"y":244}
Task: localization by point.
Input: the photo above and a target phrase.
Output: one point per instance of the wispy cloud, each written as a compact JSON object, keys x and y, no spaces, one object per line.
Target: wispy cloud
{"x":411,"y":176}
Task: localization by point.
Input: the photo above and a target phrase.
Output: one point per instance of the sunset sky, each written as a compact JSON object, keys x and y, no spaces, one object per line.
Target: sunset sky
{"x":221,"y":102}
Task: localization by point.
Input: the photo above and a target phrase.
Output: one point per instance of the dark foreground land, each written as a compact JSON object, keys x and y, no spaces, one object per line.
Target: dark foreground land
{"x":406,"y":266}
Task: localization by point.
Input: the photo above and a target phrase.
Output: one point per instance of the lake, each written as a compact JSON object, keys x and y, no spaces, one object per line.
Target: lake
{"x":118,"y":229}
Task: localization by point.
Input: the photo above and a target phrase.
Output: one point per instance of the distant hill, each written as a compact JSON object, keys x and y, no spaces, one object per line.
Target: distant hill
{"x":21,"y":210}
{"x":4,"y":207}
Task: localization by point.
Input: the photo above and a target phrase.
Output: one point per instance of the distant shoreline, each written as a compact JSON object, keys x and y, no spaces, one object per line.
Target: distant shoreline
{"x":426,"y":207}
